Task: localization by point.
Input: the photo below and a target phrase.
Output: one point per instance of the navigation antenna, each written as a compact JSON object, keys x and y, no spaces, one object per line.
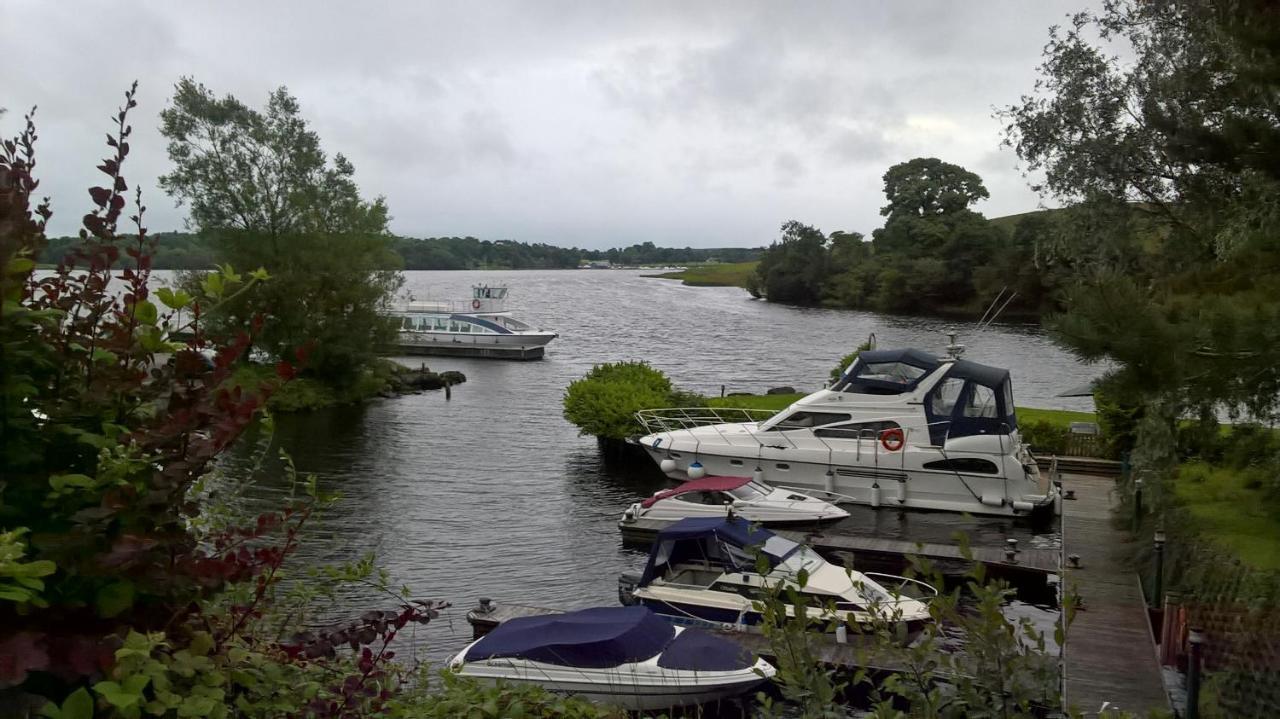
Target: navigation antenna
{"x":986,"y":321}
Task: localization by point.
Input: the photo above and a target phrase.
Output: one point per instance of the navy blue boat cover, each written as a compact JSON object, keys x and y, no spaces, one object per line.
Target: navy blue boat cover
{"x":596,"y":638}
{"x":709,"y":539}
{"x":697,"y":650}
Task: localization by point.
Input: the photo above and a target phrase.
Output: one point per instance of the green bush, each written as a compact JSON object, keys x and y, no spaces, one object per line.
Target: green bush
{"x":604,"y":402}
{"x":1045,"y":437}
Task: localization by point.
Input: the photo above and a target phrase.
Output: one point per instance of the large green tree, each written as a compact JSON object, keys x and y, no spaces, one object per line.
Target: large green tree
{"x":1176,"y":139}
{"x":261,"y":188}
{"x":793,"y":268}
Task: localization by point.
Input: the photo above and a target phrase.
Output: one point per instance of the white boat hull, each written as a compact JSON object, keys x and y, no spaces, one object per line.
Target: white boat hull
{"x":881,"y":479}
{"x":638,"y":686}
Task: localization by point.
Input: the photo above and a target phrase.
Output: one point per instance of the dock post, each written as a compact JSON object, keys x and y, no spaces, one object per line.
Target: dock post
{"x":1195,"y":638}
{"x":1158,"y":580}
{"x":1137,"y":503}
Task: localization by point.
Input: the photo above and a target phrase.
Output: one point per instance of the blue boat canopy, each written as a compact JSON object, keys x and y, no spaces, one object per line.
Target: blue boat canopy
{"x":720,"y":541}
{"x":598,"y":638}
{"x":887,"y":371}
{"x":697,"y":650}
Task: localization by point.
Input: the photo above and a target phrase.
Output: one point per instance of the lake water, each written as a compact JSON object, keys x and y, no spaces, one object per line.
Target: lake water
{"x":493,"y":494}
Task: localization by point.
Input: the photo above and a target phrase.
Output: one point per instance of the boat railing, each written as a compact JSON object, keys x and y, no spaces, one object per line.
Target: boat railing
{"x":925,"y":590}
{"x":671,"y":419}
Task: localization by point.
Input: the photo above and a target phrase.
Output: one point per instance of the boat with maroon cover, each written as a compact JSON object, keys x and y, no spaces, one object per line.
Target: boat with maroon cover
{"x":750,"y":499}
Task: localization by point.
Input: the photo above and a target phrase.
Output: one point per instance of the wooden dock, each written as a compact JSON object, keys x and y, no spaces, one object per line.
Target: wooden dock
{"x":1110,"y":653}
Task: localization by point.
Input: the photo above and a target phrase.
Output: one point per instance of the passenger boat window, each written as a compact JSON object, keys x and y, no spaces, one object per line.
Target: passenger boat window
{"x":982,"y":402}
{"x":464,"y":326}
{"x":424,"y":324}
{"x":860,"y":430}
{"x":972,"y":465}
{"x":802,"y":420}
{"x":942,"y":400}
{"x":442,"y":324}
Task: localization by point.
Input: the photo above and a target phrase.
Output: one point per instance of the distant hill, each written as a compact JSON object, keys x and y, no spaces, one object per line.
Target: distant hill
{"x":188,"y":251}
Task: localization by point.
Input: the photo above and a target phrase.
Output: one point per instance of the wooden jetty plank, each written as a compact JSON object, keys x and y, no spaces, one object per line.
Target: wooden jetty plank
{"x":1110,"y":653}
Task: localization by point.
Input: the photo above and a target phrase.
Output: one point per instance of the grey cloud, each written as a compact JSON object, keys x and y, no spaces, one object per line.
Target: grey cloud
{"x":576,"y":123}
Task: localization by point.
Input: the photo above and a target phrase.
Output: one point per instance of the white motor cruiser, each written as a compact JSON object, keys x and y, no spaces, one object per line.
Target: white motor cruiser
{"x":730,"y":496}
{"x":479,"y":327}
{"x":624,"y":656}
{"x":900,"y":428}
{"x":703,"y":572}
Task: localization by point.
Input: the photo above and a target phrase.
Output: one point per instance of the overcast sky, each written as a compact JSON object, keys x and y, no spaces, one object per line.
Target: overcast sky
{"x":595,"y":124}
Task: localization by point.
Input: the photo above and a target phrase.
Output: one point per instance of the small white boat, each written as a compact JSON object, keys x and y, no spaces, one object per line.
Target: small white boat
{"x":624,"y":656}
{"x":479,"y":327}
{"x":730,"y":496}
{"x":702,"y":572}
{"x":901,"y":428}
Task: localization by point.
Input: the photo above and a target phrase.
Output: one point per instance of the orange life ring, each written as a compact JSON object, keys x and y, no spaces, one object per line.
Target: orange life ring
{"x":892,"y":439}
{"x":475,"y":304}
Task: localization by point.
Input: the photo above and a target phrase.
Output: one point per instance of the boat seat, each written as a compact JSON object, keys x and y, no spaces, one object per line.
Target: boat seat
{"x":693,"y":576}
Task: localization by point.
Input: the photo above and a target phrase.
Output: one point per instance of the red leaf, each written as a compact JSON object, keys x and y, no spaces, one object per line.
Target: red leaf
{"x":285,"y":370}
{"x":100,"y":195}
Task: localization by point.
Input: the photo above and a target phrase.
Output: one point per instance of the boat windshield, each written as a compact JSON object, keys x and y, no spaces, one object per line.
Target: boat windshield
{"x":750,"y":492}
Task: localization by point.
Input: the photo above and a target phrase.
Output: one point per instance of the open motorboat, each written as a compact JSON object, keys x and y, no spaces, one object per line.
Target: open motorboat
{"x":729,"y":496}
{"x":703,"y":571}
{"x":901,"y":428}
{"x":625,"y":656}
{"x":479,"y":327}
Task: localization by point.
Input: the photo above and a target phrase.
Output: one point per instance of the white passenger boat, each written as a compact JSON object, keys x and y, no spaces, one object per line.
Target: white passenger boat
{"x":479,"y":327}
{"x":901,"y":428}
{"x":624,"y":656}
{"x":730,"y":496}
{"x":703,"y":571}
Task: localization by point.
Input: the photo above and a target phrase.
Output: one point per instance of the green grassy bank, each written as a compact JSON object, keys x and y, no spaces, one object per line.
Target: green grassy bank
{"x":382,"y":378}
{"x":723,"y":274}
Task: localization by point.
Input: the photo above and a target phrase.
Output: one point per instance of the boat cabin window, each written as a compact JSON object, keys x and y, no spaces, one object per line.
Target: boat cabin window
{"x":942,"y":400}
{"x":803,"y":420}
{"x":858,"y":430}
{"x":897,"y":372}
{"x":701,"y":497}
{"x":749,"y":492}
{"x":442,"y":324}
{"x":981,"y":402}
{"x":971,"y":465}
{"x":743,"y":590}
{"x":1007,"y":389}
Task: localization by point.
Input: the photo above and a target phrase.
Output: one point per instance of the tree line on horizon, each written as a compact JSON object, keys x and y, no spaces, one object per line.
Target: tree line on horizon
{"x":199,"y":251}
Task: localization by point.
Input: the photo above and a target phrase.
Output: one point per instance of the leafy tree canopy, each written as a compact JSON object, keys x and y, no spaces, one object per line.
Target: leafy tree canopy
{"x":1181,"y":142}
{"x":928,"y":186}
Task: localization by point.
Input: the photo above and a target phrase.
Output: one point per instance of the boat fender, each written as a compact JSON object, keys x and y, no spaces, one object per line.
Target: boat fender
{"x":667,"y":465}
{"x":829,"y":480}
{"x":757,"y":475}
{"x":902,"y":491}
{"x":892,"y":439}
{"x":1020,"y":506}
{"x":993,"y":500}
{"x":475,"y":304}
{"x":696,"y":470}
{"x":842,"y":633}
{"x":875,"y":495}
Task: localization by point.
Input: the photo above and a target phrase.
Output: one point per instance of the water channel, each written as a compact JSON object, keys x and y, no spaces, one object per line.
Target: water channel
{"x":492,"y":493}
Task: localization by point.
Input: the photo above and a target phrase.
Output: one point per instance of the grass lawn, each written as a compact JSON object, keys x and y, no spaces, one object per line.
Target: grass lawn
{"x":1059,"y":417}
{"x":1231,"y":511}
{"x":724,"y":274}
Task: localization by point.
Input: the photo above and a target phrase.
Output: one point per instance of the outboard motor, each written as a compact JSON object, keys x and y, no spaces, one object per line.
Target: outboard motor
{"x":627,"y":583}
